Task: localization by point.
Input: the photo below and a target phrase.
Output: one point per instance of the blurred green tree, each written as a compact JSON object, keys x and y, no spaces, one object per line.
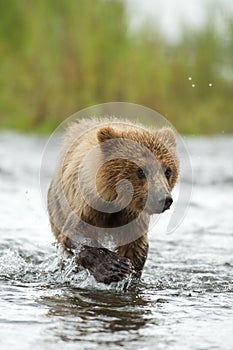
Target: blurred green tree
{"x":60,"y":56}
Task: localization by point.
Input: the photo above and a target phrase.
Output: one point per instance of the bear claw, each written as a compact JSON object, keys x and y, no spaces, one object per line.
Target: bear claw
{"x":105,"y":265}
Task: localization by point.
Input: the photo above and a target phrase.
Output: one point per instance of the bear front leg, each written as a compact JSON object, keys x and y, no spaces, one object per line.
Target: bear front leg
{"x":137,"y":252}
{"x":105,"y":265}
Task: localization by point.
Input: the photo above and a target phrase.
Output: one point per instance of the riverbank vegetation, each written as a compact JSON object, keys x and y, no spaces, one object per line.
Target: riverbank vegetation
{"x":58,"y":57}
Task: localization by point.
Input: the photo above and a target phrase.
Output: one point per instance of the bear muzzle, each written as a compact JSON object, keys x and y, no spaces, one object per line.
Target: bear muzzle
{"x":166,"y":202}
{"x":158,"y":203}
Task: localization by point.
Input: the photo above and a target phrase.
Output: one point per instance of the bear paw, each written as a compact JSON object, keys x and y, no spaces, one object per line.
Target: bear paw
{"x":105,"y":265}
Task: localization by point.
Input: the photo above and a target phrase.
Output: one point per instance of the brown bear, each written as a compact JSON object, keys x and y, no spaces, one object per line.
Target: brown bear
{"x":111,"y":176}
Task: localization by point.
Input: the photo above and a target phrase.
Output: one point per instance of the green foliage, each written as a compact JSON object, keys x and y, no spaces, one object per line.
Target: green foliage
{"x":59,"y":56}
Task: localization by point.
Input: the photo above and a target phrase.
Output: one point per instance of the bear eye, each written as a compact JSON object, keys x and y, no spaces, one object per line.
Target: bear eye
{"x":141,"y":173}
{"x":168,"y":173}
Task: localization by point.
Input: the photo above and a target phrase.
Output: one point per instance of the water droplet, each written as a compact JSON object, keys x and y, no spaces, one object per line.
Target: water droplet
{"x":190,"y":78}
{"x":193,"y":85}
{"x":210,"y":84}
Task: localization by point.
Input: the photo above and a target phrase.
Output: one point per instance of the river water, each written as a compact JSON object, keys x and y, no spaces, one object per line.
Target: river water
{"x":185,"y":297}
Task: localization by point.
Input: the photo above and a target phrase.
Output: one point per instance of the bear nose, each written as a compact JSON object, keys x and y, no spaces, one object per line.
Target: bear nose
{"x":166,"y":202}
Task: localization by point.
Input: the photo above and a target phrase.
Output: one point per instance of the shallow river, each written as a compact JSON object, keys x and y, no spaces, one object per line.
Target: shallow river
{"x":185,"y":297}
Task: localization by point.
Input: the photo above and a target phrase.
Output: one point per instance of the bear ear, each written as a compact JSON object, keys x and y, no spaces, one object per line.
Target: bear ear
{"x":107,"y":133}
{"x":167,"y":136}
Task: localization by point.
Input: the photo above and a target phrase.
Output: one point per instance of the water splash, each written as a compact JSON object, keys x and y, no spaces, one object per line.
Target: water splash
{"x":12,"y":264}
{"x":50,"y":270}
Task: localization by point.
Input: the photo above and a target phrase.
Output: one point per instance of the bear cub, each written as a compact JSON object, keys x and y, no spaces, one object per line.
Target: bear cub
{"x":112,"y":175}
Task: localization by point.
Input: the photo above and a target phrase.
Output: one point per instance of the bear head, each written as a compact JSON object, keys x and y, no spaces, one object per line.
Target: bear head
{"x":139,"y":169}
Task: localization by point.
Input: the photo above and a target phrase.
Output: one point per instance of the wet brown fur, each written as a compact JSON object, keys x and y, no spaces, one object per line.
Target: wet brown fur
{"x":66,"y":204}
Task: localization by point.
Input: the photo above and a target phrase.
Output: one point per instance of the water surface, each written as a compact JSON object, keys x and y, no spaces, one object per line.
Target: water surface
{"x":185,"y":298}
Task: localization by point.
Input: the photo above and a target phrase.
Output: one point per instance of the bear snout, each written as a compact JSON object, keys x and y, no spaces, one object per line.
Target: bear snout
{"x":166,"y":202}
{"x":159,"y":203}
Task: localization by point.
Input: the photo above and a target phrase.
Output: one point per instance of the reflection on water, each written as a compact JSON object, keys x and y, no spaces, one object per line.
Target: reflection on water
{"x":88,"y":312}
{"x":184,"y":300}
